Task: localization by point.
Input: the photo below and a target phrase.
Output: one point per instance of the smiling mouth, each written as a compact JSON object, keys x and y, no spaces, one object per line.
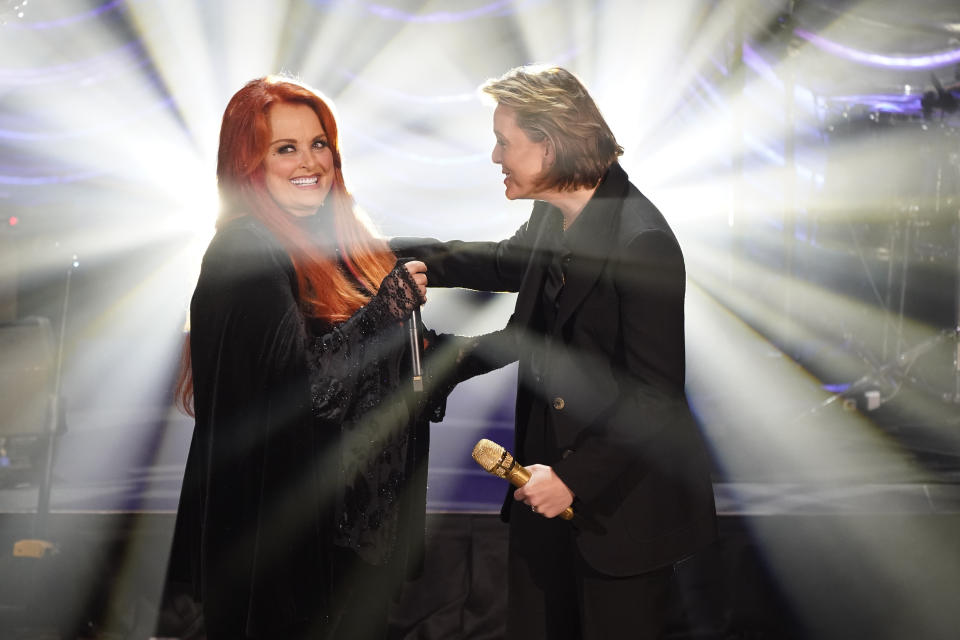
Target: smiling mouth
{"x":305,"y":181}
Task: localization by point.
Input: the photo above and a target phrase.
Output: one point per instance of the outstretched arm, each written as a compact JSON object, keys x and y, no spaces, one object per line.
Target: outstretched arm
{"x":484,"y":266}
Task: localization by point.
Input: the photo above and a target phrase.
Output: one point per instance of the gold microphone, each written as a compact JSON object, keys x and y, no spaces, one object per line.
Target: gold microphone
{"x":498,"y":461}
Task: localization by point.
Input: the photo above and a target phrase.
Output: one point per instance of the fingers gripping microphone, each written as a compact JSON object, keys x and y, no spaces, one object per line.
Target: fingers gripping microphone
{"x":499,"y":462}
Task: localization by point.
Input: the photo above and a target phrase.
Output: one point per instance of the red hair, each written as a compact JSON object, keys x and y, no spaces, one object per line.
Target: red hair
{"x":324,"y":291}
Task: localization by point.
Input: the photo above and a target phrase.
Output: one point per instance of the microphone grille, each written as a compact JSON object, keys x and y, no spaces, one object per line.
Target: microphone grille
{"x":489,"y":455}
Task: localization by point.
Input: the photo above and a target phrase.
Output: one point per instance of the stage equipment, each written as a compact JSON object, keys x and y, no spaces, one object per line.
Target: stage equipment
{"x":30,"y":408}
{"x":498,"y":461}
{"x":27,"y":372}
{"x":943,"y":100}
{"x":907,"y":248}
{"x":31,"y":384}
{"x":9,"y":273}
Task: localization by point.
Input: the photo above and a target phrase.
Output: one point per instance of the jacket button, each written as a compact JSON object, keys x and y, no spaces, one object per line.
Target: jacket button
{"x":558,"y":403}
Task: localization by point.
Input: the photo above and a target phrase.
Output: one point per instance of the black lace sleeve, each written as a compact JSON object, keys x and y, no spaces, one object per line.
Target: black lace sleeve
{"x":398,"y":293}
{"x":336,"y":358}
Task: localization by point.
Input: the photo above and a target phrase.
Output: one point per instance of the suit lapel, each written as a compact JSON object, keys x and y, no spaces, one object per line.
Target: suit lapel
{"x":535,"y":272}
{"x":595,"y":242}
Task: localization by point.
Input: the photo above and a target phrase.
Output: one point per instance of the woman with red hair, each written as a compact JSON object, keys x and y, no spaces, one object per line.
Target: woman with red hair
{"x":303,"y":497}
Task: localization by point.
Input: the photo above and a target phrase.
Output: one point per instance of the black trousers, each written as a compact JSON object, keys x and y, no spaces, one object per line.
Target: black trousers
{"x":555,"y":595}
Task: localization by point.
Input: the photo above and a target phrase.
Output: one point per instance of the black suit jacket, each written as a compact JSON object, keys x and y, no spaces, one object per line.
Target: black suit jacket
{"x":612,"y":373}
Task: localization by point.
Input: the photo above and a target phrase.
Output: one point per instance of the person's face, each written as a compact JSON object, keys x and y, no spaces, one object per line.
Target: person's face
{"x":299,"y":162}
{"x":524,"y":162}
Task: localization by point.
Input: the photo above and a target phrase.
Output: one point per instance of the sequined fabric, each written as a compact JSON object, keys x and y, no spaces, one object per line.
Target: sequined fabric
{"x":356,"y":388}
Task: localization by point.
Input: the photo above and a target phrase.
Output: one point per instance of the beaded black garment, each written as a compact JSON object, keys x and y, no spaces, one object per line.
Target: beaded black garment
{"x":356,"y":389}
{"x":305,"y":437}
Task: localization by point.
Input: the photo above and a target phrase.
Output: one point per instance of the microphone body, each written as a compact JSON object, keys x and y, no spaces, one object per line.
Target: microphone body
{"x":501,"y":463}
{"x":416,"y":344}
{"x":416,"y":347}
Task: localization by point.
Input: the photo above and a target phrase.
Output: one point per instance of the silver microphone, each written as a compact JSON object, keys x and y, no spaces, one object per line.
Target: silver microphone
{"x":416,"y":344}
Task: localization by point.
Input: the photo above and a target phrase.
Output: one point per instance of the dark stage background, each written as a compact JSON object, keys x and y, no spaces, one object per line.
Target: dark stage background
{"x":807,"y":153}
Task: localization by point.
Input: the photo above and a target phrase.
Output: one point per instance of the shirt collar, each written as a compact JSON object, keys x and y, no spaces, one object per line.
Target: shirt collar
{"x":596,"y":215}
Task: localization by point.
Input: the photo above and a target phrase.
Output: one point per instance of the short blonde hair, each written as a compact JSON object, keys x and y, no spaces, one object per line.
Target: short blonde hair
{"x":552,"y":104}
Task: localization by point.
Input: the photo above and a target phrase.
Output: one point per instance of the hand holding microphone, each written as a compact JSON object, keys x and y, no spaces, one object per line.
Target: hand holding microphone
{"x":418,"y":273}
{"x":499,"y":462}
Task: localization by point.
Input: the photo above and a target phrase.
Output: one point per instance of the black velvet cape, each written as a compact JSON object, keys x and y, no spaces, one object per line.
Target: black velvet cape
{"x":307,"y":438}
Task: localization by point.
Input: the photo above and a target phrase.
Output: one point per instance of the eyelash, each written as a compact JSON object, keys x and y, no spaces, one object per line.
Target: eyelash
{"x":287,"y":148}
